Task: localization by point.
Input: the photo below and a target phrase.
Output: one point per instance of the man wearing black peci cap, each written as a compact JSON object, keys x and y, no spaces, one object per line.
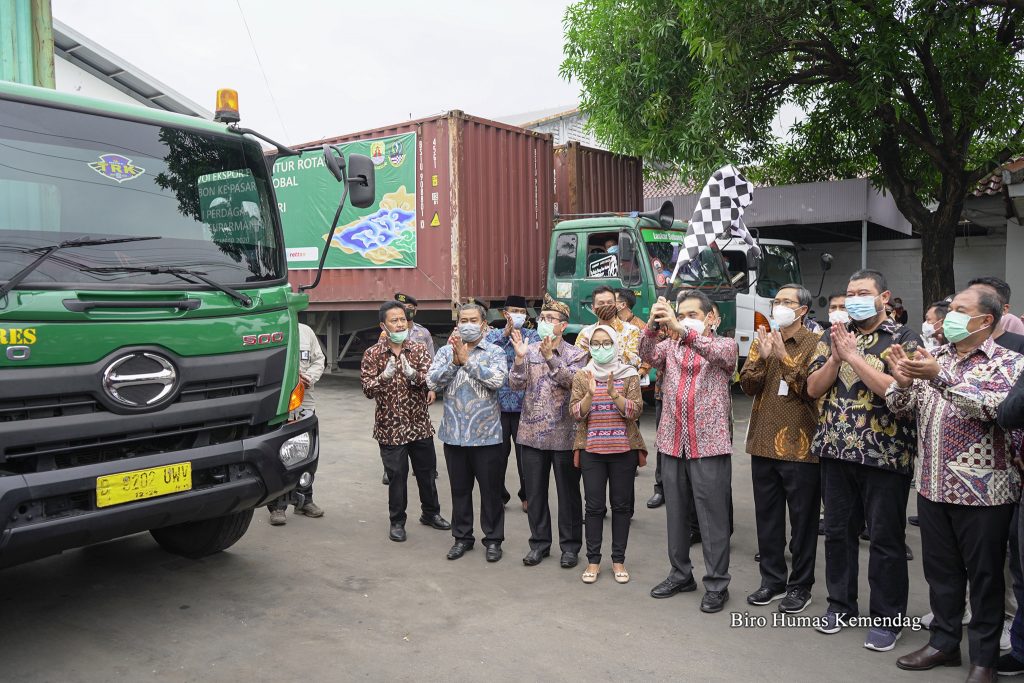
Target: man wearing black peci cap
{"x":511,"y":402}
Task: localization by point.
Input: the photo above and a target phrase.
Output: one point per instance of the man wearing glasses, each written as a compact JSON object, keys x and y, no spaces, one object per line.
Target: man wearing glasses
{"x":544,"y":371}
{"x":784,"y":471}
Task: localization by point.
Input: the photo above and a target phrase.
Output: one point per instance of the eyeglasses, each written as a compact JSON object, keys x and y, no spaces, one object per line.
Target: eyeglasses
{"x":553,"y":319}
{"x":603,"y":345}
{"x":786,"y":302}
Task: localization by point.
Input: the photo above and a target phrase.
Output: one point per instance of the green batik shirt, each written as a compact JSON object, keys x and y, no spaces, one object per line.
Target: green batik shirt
{"x":854,"y":423}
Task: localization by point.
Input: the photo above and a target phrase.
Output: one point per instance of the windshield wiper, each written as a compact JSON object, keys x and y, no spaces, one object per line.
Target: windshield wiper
{"x":180,"y":273}
{"x":54,"y":248}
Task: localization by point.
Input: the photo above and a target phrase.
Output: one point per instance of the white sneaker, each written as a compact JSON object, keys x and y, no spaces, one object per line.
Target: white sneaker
{"x":1004,"y":639}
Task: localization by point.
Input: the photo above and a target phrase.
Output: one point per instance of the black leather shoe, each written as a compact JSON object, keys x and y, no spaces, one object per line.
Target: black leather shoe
{"x":397,"y":533}
{"x":459,"y":549}
{"x":384,"y":480}
{"x":534,"y":557}
{"x":668,"y":588}
{"x":493,"y":552}
{"x":569,"y":560}
{"x":757,"y":557}
{"x":910,"y":554}
{"x":913,"y":520}
{"x":694,"y":538}
{"x":436,"y":521}
{"x":928,"y":658}
{"x":714,"y":601}
{"x":656,"y":501}
{"x":765,"y":595}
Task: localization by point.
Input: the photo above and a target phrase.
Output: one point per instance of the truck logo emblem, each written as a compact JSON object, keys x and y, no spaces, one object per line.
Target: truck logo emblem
{"x":116,"y":167}
{"x":139,"y":379}
{"x":259,"y":339}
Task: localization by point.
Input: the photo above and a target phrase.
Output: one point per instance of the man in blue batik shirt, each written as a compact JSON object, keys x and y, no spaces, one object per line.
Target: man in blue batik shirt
{"x":471,"y":370}
{"x":512,"y":401}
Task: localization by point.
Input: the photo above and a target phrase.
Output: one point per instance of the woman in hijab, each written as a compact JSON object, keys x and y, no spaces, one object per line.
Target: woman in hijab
{"x":606,"y":404}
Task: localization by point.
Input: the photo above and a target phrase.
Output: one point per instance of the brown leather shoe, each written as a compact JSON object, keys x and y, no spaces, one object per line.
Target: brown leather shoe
{"x":981,"y":674}
{"x":928,"y":658}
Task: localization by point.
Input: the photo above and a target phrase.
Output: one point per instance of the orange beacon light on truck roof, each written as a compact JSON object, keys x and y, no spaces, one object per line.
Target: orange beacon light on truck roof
{"x":227,"y":106}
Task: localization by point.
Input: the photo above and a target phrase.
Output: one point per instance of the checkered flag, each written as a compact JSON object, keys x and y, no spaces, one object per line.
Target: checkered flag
{"x":719,"y":210}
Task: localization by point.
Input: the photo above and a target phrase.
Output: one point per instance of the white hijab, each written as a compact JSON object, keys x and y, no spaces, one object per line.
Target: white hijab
{"x":614,"y":370}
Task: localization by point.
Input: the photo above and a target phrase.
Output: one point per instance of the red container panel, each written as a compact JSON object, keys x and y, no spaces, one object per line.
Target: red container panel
{"x":589,"y":180}
{"x":490,"y":187}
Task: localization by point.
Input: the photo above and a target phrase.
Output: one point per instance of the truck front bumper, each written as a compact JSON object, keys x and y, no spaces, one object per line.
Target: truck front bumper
{"x":44,"y":513}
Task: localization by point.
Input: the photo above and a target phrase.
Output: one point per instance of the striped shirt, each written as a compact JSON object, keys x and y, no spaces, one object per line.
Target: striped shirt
{"x":606,"y":427}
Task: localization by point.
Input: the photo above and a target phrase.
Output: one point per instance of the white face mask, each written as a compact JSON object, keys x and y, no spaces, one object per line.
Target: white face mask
{"x":839,"y":317}
{"x":693,"y":324}
{"x":783,"y":316}
{"x":927,"y":330}
{"x":518,"y":320}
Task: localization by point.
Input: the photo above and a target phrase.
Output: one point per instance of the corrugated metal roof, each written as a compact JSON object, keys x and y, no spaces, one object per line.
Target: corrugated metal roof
{"x":842,"y":201}
{"x":116,"y":72}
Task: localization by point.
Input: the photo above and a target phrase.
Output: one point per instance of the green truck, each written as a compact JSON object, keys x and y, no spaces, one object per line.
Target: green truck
{"x":148,"y":333}
{"x":647,"y":246}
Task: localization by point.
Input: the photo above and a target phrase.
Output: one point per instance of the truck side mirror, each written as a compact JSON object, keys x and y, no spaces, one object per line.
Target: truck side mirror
{"x":362,"y":188}
{"x":826,"y":261}
{"x":626,"y":251}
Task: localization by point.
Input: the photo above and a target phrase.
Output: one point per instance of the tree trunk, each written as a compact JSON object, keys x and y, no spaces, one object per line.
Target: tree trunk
{"x":938,"y":238}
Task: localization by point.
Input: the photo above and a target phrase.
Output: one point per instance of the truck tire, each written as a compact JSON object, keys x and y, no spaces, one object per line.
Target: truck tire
{"x":205,"y":537}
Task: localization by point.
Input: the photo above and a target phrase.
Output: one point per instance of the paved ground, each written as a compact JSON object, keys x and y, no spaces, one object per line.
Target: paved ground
{"x":334,"y":599}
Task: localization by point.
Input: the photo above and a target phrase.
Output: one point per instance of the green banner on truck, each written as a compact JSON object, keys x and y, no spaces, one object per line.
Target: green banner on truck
{"x":382,"y":236}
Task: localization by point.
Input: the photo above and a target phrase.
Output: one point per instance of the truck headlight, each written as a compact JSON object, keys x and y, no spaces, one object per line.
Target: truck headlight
{"x":295,"y":450}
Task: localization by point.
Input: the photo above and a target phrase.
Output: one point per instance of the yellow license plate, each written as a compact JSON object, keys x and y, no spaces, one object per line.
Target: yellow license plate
{"x":125,"y":487}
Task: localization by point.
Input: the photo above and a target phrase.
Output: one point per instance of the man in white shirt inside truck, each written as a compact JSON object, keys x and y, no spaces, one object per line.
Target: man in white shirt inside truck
{"x":311,"y":367}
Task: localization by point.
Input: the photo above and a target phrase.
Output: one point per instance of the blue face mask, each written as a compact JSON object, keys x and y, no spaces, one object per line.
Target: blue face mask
{"x":470,"y":332}
{"x":861,"y":307}
{"x":613,"y":250}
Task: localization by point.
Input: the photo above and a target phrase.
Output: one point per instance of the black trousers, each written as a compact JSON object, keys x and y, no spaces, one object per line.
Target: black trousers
{"x":856,"y":493}
{"x":509,"y":430}
{"x":961,"y":544}
{"x":537,"y":466}
{"x":396,"y":461}
{"x":608,"y":477}
{"x":485,"y":466}
{"x":779,"y":484}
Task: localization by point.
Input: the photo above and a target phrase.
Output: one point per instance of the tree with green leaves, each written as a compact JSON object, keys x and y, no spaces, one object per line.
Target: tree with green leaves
{"x":924,"y":97}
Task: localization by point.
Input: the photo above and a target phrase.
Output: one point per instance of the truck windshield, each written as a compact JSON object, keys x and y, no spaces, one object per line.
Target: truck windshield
{"x":779,"y":266}
{"x":663,"y":249}
{"x":66,"y":175}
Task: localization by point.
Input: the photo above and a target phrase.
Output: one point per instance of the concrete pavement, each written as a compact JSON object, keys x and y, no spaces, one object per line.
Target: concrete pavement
{"x":333,"y":599}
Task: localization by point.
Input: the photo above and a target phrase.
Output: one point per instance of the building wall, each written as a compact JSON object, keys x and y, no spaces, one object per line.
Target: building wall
{"x":1015,"y":263}
{"x":73,"y":79}
{"x":570,"y":128}
{"x":900,"y":261}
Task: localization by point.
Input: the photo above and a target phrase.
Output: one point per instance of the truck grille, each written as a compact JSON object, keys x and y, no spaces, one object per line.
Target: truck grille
{"x":59,"y":455}
{"x":40,"y":407}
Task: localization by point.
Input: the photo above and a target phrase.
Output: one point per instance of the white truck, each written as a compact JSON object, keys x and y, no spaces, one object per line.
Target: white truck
{"x":757,"y":282}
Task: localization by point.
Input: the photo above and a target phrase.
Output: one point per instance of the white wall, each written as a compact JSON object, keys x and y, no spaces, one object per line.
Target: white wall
{"x":1015,"y":263}
{"x":73,"y":79}
{"x":900,"y":262}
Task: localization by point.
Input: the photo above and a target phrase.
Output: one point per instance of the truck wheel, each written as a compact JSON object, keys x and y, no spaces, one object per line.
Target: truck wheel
{"x":205,"y":537}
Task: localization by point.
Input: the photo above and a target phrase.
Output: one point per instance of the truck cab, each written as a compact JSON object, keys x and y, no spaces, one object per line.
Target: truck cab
{"x":757,"y":281}
{"x":642,"y":259}
{"x":148,"y":334}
